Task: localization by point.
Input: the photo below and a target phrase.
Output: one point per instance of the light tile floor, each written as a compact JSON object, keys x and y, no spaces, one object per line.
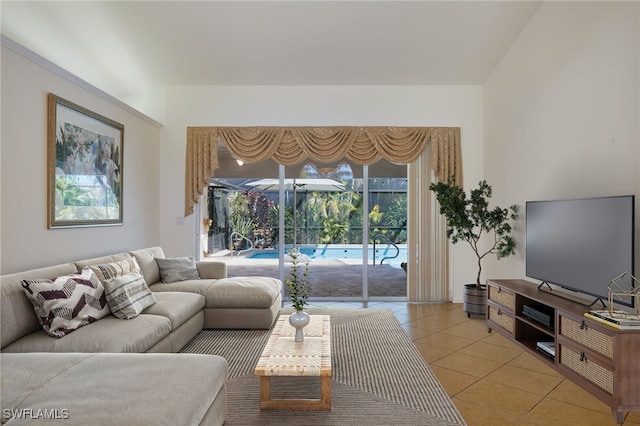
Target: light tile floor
{"x":491,"y":380}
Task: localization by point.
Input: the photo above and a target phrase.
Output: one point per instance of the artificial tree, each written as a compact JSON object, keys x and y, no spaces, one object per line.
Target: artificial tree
{"x":470,"y":218}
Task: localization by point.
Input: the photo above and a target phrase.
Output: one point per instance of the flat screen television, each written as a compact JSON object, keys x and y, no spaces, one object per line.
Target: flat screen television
{"x":581,"y":244}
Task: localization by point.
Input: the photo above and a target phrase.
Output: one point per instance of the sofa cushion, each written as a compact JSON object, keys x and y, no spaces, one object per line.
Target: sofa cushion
{"x":177,"y":306}
{"x":243,"y":292}
{"x":208,"y":269}
{"x":128,"y":295}
{"x":110,"y":334}
{"x":17,"y":318}
{"x":147,"y":260}
{"x":67,"y":303}
{"x":190,"y":286}
{"x":236,"y":292}
{"x":177,"y":269}
{"x":22,"y":374}
{"x":142,"y":389}
{"x":109,"y":271}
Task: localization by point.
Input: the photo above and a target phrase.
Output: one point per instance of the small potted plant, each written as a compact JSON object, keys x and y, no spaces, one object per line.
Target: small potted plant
{"x":299,"y":290}
{"x":242,"y":228}
{"x":469,"y":219}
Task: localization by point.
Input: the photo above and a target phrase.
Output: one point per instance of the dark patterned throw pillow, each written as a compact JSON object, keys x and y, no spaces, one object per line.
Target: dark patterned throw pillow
{"x":177,"y":269}
{"x":66,"y":303}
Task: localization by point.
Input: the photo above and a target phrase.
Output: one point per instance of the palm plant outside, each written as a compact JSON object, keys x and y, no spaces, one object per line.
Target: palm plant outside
{"x":299,"y":284}
{"x":326,"y":217}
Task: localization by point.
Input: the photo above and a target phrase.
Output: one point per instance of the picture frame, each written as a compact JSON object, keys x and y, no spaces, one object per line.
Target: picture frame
{"x":85,"y":166}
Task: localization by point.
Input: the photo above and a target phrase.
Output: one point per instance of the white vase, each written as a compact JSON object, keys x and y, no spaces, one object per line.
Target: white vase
{"x":299,"y":320}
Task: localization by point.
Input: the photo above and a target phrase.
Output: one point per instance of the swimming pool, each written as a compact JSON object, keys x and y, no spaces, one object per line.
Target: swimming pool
{"x":344,"y":252}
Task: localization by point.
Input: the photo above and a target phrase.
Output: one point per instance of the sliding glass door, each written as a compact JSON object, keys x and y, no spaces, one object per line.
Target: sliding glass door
{"x":349,"y":220}
{"x":352,"y":226}
{"x":326,"y":226}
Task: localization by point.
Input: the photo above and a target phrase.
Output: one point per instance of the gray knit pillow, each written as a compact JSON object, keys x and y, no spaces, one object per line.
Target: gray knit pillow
{"x":177,"y":269}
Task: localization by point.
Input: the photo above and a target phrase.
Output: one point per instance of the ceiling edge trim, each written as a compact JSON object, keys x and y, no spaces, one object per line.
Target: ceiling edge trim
{"x":56,"y":69}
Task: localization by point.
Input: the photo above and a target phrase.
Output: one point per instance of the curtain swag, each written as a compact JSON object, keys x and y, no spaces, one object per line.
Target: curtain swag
{"x":291,"y":145}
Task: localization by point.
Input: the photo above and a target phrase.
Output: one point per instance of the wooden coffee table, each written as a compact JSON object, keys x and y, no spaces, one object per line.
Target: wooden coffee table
{"x":282,"y":356}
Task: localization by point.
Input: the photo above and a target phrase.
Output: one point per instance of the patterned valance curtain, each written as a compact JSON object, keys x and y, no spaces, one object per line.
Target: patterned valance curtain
{"x":291,"y":145}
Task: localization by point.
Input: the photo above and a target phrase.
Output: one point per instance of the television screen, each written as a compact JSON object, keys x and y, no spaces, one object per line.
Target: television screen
{"x":581,"y":244}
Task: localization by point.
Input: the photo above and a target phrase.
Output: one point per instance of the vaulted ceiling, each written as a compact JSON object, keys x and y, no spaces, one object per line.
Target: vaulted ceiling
{"x":123,"y":47}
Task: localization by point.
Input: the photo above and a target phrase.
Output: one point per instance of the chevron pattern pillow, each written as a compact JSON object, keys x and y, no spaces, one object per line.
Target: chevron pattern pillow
{"x":128,"y":295}
{"x":66,"y":303}
{"x":177,"y":269}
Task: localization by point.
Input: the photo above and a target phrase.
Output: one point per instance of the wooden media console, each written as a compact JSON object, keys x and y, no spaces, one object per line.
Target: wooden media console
{"x":601,"y":359}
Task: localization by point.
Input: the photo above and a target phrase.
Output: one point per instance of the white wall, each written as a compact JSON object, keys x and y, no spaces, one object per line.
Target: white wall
{"x":300,"y":106}
{"x":562,"y":112}
{"x":25,"y":240}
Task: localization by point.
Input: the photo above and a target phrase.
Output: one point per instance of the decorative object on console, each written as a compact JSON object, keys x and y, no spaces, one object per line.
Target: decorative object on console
{"x":68,"y":302}
{"x":468,"y":219}
{"x":177,"y":269}
{"x":623,"y":286}
{"x":620,"y":320}
{"x":299,"y":290}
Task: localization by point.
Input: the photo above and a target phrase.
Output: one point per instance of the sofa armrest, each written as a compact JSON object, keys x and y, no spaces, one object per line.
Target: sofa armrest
{"x":212,"y":270}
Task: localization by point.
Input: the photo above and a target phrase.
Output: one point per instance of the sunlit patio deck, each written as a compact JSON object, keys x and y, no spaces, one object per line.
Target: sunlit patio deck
{"x":333,"y":278}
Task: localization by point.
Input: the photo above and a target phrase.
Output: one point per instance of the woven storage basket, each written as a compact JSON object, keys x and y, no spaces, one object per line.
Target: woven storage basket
{"x":593,"y":339}
{"x":501,"y":318}
{"x":502,"y":297}
{"x":591,"y":371}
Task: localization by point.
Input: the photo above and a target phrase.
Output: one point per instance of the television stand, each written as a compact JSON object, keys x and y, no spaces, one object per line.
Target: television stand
{"x":601,"y":359}
{"x":550,"y":291}
{"x":544,"y":283}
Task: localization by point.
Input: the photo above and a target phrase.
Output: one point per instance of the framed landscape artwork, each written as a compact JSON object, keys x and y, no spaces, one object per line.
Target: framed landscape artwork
{"x":84,"y":166}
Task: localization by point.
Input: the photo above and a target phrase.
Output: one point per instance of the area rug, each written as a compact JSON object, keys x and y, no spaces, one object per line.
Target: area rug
{"x":379,"y":377}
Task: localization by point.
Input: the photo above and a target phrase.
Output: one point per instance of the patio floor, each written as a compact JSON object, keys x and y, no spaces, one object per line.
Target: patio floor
{"x":329,"y":278}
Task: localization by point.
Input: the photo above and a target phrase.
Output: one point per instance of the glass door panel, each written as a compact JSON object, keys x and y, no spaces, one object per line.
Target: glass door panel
{"x":387,"y":221}
{"x":324,"y":207}
{"x":242,"y":213}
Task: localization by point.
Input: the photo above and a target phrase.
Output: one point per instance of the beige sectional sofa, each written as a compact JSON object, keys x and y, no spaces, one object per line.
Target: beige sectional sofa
{"x":83,"y":389}
{"x":240,"y":303}
{"x":105,"y":355}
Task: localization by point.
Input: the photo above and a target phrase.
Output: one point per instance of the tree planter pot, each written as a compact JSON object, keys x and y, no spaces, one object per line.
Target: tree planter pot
{"x":474,"y":300}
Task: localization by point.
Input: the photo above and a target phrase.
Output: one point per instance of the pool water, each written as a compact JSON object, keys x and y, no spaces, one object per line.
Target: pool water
{"x":342,"y":252}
